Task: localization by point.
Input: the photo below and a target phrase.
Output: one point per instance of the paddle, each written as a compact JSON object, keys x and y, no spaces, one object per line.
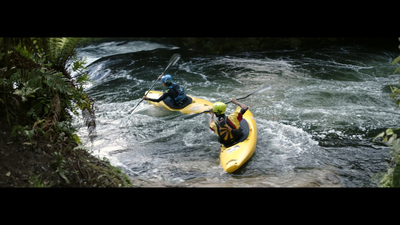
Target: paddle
{"x":172,"y":61}
{"x":252,"y":93}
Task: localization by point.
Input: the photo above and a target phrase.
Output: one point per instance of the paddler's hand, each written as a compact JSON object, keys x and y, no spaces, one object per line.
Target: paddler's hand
{"x":233,"y":100}
{"x":159,"y":77}
{"x":211,"y":116}
{"x":145,"y":98}
{"x":243,"y":106}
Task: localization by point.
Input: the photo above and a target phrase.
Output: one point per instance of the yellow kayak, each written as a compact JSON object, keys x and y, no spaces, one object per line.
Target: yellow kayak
{"x":233,"y":157}
{"x":192,"y":105}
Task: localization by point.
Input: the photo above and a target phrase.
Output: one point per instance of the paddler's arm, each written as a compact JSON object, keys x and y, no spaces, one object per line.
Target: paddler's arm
{"x":164,"y":96}
{"x":211,"y":118}
{"x":243,"y":106}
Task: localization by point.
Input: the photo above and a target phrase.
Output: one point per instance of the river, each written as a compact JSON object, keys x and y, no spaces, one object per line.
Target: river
{"x":315,"y":125}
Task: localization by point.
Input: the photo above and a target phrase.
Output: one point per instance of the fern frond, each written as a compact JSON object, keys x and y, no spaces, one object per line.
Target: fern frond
{"x":57,"y":82}
{"x":397,"y":70}
{"x":396,"y":60}
{"x":33,"y":77}
{"x":62,"y":49}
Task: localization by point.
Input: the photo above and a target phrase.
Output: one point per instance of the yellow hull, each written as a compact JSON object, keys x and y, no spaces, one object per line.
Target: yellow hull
{"x":234,"y":157}
{"x":198,"y":105}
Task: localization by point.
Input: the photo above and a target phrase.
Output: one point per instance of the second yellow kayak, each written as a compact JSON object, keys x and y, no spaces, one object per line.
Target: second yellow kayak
{"x":233,"y":157}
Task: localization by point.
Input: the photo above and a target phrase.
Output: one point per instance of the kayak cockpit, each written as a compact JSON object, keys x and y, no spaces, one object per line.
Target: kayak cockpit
{"x":168,"y":101}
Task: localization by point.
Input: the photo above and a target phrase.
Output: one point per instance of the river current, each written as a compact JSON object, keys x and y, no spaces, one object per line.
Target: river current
{"x":315,"y":126}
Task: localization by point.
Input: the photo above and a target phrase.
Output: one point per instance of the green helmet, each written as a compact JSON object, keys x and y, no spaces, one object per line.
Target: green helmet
{"x":219,"y":108}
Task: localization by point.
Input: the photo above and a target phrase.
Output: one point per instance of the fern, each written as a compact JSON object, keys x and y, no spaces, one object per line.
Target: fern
{"x":59,"y":163}
{"x":36,"y":87}
{"x":28,"y":82}
{"x":25,"y":92}
{"x":57,"y":82}
{"x":31,"y":77}
{"x":61,"y":49}
{"x":392,"y":176}
{"x":395,"y":61}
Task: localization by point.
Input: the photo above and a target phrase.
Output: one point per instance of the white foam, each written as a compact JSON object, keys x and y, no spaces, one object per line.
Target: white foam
{"x":95,"y":52}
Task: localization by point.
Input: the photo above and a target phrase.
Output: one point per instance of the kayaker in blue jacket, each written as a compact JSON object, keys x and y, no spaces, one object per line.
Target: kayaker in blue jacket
{"x":174,"y":91}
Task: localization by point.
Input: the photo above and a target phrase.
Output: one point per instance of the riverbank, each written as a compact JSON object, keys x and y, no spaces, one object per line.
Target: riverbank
{"x":42,"y":163}
{"x":38,"y":146}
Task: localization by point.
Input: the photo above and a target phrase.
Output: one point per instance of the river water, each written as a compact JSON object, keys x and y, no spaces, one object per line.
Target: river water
{"x":315,"y":125}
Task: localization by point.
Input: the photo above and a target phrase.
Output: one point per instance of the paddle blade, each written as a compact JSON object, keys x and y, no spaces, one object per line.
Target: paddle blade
{"x":172,"y":61}
{"x":255,"y":92}
{"x":174,"y":58}
{"x":132,"y":110}
{"x":263,"y":89}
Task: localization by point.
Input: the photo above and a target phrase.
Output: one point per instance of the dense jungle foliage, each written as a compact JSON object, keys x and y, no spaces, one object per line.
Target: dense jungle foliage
{"x":37,"y":99}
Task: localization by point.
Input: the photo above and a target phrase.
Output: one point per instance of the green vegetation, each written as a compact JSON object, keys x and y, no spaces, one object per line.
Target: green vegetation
{"x":395,"y":62}
{"x":37,"y":97}
{"x":36,"y":87}
{"x":392,"y":177}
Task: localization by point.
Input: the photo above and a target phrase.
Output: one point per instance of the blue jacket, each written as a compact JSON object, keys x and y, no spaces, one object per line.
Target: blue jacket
{"x":174,"y":91}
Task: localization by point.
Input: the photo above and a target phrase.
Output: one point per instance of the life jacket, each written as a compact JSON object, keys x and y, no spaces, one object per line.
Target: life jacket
{"x":227,"y":134}
{"x":181,"y":93}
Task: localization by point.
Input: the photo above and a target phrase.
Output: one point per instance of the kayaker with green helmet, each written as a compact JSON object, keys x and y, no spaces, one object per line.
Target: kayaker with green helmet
{"x":227,"y":128}
{"x":175,"y":92}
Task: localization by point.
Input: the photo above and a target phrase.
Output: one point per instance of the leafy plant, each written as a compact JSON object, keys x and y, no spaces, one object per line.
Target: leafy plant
{"x":392,"y":177}
{"x":38,"y":96}
{"x":25,"y":131}
{"x":37,"y":181}
{"x":36,"y":85}
{"x":59,"y":164}
{"x":25,"y":92}
{"x":395,"y":61}
{"x":390,"y":137}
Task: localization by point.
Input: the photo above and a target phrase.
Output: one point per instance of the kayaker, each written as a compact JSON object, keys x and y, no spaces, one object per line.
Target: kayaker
{"x":174,"y":91}
{"x":227,"y":128}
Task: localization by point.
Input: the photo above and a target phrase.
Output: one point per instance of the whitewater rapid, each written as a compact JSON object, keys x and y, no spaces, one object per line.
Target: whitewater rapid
{"x":314,"y":127}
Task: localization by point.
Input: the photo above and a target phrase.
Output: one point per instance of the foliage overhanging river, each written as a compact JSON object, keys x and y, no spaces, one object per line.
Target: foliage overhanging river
{"x":315,"y":125}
